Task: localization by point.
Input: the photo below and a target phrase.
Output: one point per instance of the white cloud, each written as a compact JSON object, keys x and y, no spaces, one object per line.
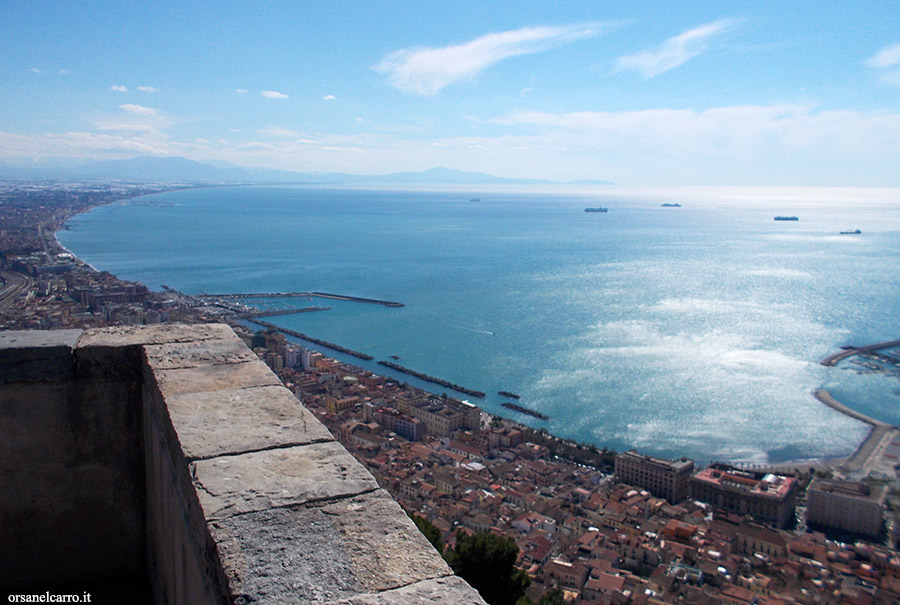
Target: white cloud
{"x":886,"y":57}
{"x":118,"y":88}
{"x":147,"y":88}
{"x":278,"y":132}
{"x":426,"y":71}
{"x":241,"y":90}
{"x":272,"y":94}
{"x":673,"y":52}
{"x":139,"y":109}
{"x":359,"y":120}
{"x":35,"y":70}
{"x":329,"y":98}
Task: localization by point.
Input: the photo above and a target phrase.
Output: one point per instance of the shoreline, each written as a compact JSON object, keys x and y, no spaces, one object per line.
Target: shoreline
{"x":868,"y":444}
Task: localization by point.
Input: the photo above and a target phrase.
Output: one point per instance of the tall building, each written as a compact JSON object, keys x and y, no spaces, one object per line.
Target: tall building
{"x":846,"y":505}
{"x":663,"y":478}
{"x":770,"y":499}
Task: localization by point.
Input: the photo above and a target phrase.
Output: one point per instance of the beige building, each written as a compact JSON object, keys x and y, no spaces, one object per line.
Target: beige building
{"x":846,"y":505}
{"x":443,"y":417}
{"x":770,"y":499}
{"x":663,"y":478}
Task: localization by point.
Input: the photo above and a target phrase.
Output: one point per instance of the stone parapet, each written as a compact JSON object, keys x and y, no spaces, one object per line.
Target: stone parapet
{"x":174,"y":452}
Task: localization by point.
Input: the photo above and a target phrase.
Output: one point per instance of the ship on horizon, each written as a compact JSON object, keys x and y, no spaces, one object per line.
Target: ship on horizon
{"x":597,"y":209}
{"x":671,"y":205}
{"x":786,"y":218}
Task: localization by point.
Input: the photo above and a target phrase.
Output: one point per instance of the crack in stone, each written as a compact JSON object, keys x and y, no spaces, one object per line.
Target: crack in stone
{"x":268,"y":448}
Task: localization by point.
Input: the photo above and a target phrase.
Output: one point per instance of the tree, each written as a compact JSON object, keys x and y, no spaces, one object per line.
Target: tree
{"x":430,"y":531}
{"x":487,"y":562}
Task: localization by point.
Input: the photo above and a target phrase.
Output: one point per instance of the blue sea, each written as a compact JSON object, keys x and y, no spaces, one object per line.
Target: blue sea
{"x":690,"y":331}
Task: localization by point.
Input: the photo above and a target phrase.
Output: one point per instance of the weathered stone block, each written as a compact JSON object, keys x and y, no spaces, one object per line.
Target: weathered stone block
{"x":326,"y":551}
{"x":193,"y":354}
{"x":155,"y":334}
{"x":214,"y":378}
{"x":215,"y":423}
{"x":231,"y":485}
{"x":451,"y":589}
{"x":31,"y":356}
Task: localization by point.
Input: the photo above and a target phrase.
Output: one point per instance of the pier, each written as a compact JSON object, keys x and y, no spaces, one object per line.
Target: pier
{"x":255,"y":314}
{"x":317,"y":341}
{"x":833,"y":359}
{"x":869,"y":453}
{"x":426,"y":377}
{"x":346,"y":297}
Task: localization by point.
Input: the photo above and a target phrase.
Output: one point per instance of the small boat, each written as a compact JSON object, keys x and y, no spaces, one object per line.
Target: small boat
{"x":671,"y":205}
{"x":395,"y":357}
{"x":597,"y":209}
{"x":854,"y":232}
{"x":475,"y":199}
{"x":786,"y":218}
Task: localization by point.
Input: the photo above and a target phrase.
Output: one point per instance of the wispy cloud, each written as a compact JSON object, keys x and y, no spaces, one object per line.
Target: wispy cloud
{"x":887,"y":60}
{"x":886,"y":57}
{"x":241,"y":91}
{"x":273,"y":94}
{"x":329,"y":98}
{"x":426,"y":71}
{"x":35,"y":70}
{"x":118,"y":88}
{"x":278,"y":132}
{"x":673,"y":52}
{"x":139,"y":109}
{"x":147,"y":88}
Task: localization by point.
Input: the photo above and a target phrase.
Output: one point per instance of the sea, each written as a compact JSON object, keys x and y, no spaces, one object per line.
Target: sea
{"x":679,"y":331}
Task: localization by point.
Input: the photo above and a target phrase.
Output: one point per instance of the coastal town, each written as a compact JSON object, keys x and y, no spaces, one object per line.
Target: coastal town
{"x":590,"y":525}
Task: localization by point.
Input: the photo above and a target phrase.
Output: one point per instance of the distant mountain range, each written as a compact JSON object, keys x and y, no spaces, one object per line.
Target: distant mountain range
{"x":150,"y":168}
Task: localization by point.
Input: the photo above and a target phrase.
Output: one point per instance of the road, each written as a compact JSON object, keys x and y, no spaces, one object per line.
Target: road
{"x":13,"y":285}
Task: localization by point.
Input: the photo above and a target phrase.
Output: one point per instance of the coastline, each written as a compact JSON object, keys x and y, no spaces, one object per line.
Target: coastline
{"x":868,"y":445}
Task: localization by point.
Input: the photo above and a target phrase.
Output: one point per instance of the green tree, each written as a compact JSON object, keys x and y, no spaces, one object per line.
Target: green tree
{"x":487,"y":562}
{"x":430,"y":531}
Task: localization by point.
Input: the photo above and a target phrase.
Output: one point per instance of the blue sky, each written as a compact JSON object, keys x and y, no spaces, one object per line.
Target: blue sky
{"x":699,"y":93}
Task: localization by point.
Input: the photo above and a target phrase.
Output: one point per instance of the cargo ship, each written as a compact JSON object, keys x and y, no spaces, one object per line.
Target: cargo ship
{"x":786,"y":218}
{"x":597,"y":209}
{"x":671,"y":205}
{"x":854,"y":232}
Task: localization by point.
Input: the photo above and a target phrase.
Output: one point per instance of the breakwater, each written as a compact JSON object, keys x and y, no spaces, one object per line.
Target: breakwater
{"x":374,"y":301}
{"x":347,"y":297}
{"x":850,"y":351}
{"x":308,"y":338}
{"x":523,"y":410}
{"x":254,"y":314}
{"x":426,"y":377}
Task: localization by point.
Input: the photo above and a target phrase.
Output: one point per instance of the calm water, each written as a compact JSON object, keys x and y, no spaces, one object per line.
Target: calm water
{"x":679,"y":331}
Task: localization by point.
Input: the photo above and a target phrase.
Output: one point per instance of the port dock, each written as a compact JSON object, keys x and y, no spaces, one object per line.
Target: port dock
{"x":850,"y":351}
{"x":310,"y":295}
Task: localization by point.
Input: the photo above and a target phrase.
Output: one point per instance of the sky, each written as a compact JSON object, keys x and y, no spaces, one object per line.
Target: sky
{"x":638,"y":93}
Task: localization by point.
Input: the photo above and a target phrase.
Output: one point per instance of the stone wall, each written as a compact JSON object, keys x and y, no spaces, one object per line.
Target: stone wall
{"x":174,"y":450}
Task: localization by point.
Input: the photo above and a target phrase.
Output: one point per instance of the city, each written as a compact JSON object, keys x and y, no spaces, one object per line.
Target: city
{"x":590,"y":525}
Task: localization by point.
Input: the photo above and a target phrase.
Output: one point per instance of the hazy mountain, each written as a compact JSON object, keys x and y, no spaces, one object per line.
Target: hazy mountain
{"x":153,"y":168}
